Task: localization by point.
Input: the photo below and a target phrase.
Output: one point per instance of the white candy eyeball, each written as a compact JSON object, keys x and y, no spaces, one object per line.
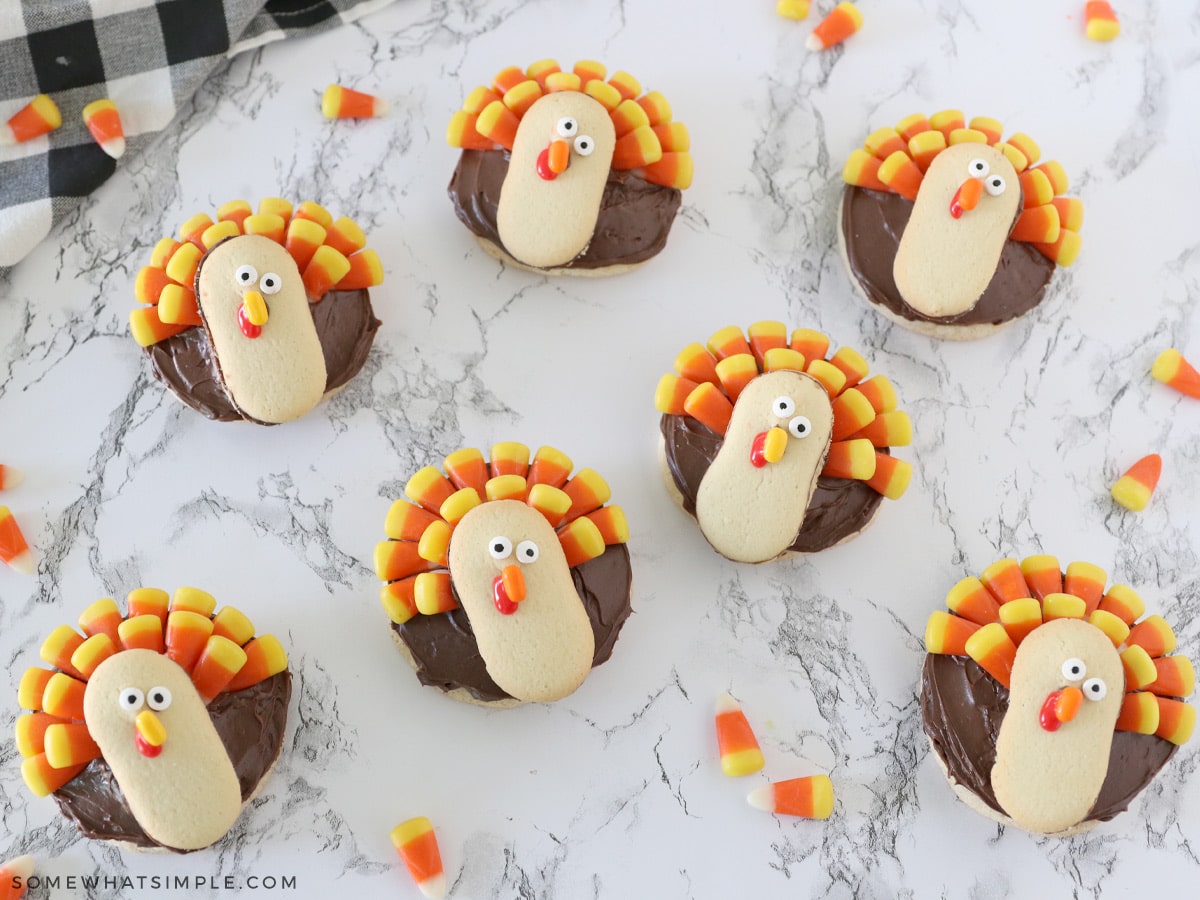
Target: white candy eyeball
{"x":783,"y":407}
{"x":159,"y":698}
{"x":130,"y":699}
{"x":977,"y":168}
{"x":1074,"y":669}
{"x":800,"y":427}
{"x":500,"y":547}
{"x":527,"y":552}
{"x":1095,"y":689}
{"x":270,"y":284}
{"x":567,"y":127}
{"x":584,"y":145}
{"x":995,"y":185}
{"x":245,"y":276}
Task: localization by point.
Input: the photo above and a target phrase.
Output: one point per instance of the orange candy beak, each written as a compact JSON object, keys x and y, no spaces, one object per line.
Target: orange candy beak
{"x":966,"y":198}
{"x":150,"y":735}
{"x":553,"y":161}
{"x":1061,"y":706}
{"x":509,"y":589}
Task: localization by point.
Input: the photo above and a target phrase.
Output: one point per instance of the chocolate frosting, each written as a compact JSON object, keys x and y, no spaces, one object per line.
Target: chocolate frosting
{"x":839,"y":507}
{"x":963,"y":707}
{"x":251,"y":724}
{"x":346,"y":327}
{"x":447,"y":656}
{"x":635,"y":215}
{"x":873,"y":223}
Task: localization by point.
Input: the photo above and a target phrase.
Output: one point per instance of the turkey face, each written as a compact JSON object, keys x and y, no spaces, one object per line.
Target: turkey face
{"x":967,"y":204}
{"x":752,"y":500}
{"x":155,"y":733}
{"x":556,"y":176}
{"x":511,"y":576}
{"x":1052,"y":751}
{"x":256,"y":312}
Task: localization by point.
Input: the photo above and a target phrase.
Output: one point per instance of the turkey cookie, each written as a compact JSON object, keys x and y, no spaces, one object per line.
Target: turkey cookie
{"x":772,"y":447}
{"x":157,"y":727}
{"x":950,"y":231}
{"x":1049,"y":701}
{"x":507,"y":581}
{"x":258,"y":315}
{"x":566,"y":173}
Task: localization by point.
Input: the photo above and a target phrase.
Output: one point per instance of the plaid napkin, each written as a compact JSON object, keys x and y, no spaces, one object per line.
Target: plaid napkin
{"x":147,"y":56}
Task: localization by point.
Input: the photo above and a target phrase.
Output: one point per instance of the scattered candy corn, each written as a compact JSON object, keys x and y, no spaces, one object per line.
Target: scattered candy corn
{"x":20,"y":868}
{"x":13,"y":549}
{"x":1174,"y":371}
{"x":835,"y":27}
{"x":793,"y":9}
{"x":104,"y":122}
{"x":342,"y":103}
{"x":36,"y":118}
{"x":810,"y":797}
{"x":740,"y":754}
{"x":10,"y":477}
{"x":1134,"y":489}
{"x":1102,"y":24}
{"x":417,"y":845}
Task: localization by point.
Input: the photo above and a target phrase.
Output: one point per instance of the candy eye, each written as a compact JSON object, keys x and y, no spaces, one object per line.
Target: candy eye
{"x":527,"y":552}
{"x":159,"y":698}
{"x":800,"y":427}
{"x":271,"y":283}
{"x":130,"y":699}
{"x":245,"y":276}
{"x":567,"y":127}
{"x":1074,"y":669}
{"x":995,"y":185}
{"x":500,"y":547}
{"x":584,"y":145}
{"x":977,"y":168}
{"x":1095,"y":689}
{"x":783,"y":407}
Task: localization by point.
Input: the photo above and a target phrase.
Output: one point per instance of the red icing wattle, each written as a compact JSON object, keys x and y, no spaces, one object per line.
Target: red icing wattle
{"x":543,"y":166}
{"x":504,"y":605}
{"x":1049,"y":715}
{"x":146,"y":748}
{"x":757,"y":458}
{"x":249,"y":329}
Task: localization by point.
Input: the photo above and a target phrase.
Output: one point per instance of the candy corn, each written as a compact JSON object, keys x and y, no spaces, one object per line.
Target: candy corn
{"x":793,"y":9}
{"x":835,"y":27}
{"x":38,"y":117}
{"x":15,"y":871}
{"x":810,"y":797}
{"x":740,"y":754}
{"x":1134,"y":489}
{"x":104,"y":122}
{"x":1102,"y":24}
{"x":342,"y":103}
{"x":1174,"y":371}
{"x":10,"y":477}
{"x":417,"y":845}
{"x":13,"y":549}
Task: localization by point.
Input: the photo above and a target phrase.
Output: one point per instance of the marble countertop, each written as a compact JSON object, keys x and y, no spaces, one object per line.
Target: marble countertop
{"x":616,"y":791}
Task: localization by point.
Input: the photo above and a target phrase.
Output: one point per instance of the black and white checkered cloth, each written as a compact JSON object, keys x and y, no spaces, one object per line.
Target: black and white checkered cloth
{"x":147,"y":56}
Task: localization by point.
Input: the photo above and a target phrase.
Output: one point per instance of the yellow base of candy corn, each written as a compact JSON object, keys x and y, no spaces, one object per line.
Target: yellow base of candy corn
{"x":743,"y":762}
{"x":1131,"y":494}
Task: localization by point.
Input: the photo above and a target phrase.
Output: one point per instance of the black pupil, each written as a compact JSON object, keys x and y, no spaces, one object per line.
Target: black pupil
{"x":245,"y":276}
{"x":157,"y":698}
{"x":568,"y":125}
{"x":528,"y":552}
{"x":269,"y":282}
{"x":801,"y":427}
{"x":499,"y":548}
{"x":995,"y":182}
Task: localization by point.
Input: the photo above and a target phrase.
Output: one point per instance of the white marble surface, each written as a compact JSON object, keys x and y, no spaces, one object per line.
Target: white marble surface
{"x":616,"y":792}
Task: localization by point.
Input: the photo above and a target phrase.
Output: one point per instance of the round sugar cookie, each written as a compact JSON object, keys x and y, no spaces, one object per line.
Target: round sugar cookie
{"x":506,"y":579}
{"x":154,"y":728}
{"x":1050,"y":698}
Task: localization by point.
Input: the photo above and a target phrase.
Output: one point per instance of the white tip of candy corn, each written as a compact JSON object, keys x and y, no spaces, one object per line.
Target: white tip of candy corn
{"x":114,"y":147}
{"x":7,"y":138}
{"x":434,"y":888}
{"x":762,"y":798}
{"x":726,"y":703}
{"x":23,"y":562}
{"x":812,"y":42}
{"x":10,"y":477}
